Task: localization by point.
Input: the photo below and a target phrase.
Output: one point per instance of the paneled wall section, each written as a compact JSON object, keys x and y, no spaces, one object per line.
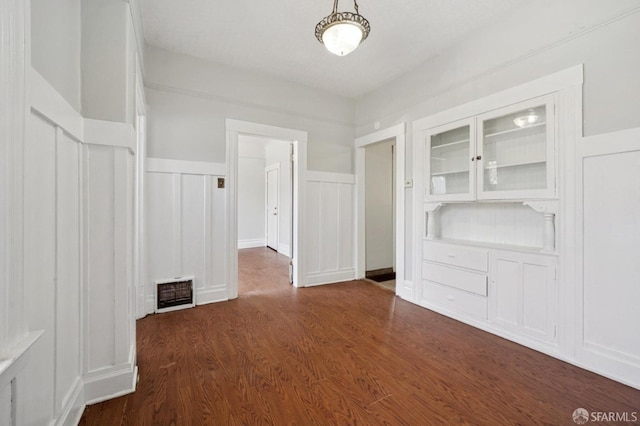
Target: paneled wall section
{"x":185,"y":219}
{"x":330,"y":228}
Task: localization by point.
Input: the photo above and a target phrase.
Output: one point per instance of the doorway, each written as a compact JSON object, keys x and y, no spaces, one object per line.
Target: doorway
{"x":379,"y":214}
{"x":396,"y":135}
{"x":298,"y":141}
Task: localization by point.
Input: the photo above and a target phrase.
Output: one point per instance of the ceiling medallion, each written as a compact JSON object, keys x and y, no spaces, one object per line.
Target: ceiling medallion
{"x":342,"y":32}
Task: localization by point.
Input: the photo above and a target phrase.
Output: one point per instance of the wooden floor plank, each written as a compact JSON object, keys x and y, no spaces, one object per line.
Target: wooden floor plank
{"x":348,"y":353}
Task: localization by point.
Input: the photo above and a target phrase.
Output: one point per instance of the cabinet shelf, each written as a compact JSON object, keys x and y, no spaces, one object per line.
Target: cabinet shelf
{"x":509,"y":131}
{"x":494,"y":246}
{"x":454,"y":172}
{"x":518,"y":164}
{"x":444,"y":145}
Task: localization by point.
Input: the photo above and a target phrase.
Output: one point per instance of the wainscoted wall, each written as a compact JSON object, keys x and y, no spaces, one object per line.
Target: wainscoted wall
{"x":108,"y":183}
{"x":52,"y":261}
{"x":78,"y":259}
{"x":607,"y":337}
{"x":328,"y":243}
{"x":185,"y":220}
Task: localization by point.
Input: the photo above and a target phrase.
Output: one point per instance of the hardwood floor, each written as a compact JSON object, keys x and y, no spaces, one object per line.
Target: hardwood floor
{"x":348,"y":353}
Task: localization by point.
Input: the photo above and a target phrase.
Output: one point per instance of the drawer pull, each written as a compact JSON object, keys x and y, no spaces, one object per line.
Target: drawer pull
{"x":450,"y":298}
{"x":453,"y":256}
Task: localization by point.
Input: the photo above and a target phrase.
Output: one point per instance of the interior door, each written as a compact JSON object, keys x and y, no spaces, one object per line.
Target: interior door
{"x":272,"y":208}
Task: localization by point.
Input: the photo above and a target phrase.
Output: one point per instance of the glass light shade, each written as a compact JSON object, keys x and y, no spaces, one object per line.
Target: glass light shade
{"x":342,"y":38}
{"x":526,"y":120}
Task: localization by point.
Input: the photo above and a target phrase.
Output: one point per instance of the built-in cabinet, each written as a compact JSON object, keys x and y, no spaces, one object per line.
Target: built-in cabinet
{"x":507,"y":153}
{"x":488,"y":217}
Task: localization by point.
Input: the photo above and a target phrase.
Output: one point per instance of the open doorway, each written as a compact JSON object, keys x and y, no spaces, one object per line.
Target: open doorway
{"x":294,"y":146}
{"x":380,"y":265}
{"x":395,"y":137}
{"x":265,"y":212}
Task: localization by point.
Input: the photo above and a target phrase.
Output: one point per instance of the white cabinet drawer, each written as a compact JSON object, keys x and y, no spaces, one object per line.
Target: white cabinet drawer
{"x":465,"y":257}
{"x":457,"y":278}
{"x":455,"y":300}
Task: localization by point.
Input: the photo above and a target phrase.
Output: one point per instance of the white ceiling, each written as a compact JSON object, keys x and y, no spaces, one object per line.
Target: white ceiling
{"x":277,"y":37}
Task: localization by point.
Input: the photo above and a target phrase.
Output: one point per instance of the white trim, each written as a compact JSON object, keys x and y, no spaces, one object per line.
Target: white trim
{"x":211,"y":295}
{"x":611,"y":143}
{"x":321,"y":278}
{"x":138,"y":29}
{"x":284,"y":249}
{"x":51,"y":105}
{"x":163,"y":165}
{"x":73,"y":405}
{"x":109,"y":133}
{"x":109,"y":383}
{"x":539,"y":87}
{"x":17,"y":357}
{"x":299,"y":139}
{"x":327,"y":177}
{"x":256,"y":242}
{"x":397,"y":132}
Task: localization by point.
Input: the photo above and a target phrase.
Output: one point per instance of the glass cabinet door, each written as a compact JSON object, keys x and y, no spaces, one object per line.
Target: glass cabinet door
{"x":516,"y":151}
{"x":448,"y":162}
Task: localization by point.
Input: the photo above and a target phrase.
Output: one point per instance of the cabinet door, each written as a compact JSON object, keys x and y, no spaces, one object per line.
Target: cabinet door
{"x":523,"y":294}
{"x":516,"y":151}
{"x":448,"y":168}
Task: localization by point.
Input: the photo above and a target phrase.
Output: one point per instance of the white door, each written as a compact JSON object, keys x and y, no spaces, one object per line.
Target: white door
{"x":272,"y":208}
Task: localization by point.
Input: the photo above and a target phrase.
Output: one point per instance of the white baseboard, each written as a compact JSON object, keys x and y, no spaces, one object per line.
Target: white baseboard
{"x":407,"y":292}
{"x":284,"y":249}
{"x":149,"y":304}
{"x":109,"y":383}
{"x":257,"y":242}
{"x":610,"y":363}
{"x":211,"y":295}
{"x":319,"y":278}
{"x":72,"y":406}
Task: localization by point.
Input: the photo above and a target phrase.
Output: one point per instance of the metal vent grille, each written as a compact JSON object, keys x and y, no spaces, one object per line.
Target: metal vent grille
{"x":174,"y":294}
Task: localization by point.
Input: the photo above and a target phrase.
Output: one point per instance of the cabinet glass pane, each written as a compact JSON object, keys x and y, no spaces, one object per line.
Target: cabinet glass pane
{"x":514,"y":149}
{"x":450,"y":161}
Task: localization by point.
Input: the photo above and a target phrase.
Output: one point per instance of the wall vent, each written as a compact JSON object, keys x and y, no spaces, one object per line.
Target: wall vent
{"x":174,"y":294}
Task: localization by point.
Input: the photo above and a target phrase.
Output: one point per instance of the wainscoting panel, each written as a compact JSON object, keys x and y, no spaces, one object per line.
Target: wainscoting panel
{"x":330,"y":230}
{"x":109,"y":287}
{"x":40,"y":263}
{"x":609,"y":340}
{"x":186,"y":227}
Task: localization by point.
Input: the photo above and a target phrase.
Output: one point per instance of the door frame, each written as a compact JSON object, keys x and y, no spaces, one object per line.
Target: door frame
{"x":396,"y":132}
{"x":268,"y":169}
{"x":298,"y":139}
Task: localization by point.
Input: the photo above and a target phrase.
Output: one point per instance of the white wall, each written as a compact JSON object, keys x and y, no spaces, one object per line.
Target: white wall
{"x":251,"y":192}
{"x":189,"y":100}
{"x":185,"y":219}
{"x":55,"y":45}
{"x":534,"y":41}
{"x":108,"y":60}
{"x":379,"y":223}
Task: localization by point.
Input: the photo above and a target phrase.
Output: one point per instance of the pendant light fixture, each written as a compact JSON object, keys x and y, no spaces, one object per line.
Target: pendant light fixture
{"x":342,"y":32}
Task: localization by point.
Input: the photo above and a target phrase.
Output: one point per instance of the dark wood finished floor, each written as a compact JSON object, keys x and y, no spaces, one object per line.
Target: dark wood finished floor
{"x":349,"y":353}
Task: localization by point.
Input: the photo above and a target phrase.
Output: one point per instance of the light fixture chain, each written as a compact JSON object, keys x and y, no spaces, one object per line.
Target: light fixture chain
{"x":335,"y":7}
{"x":355,"y":5}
